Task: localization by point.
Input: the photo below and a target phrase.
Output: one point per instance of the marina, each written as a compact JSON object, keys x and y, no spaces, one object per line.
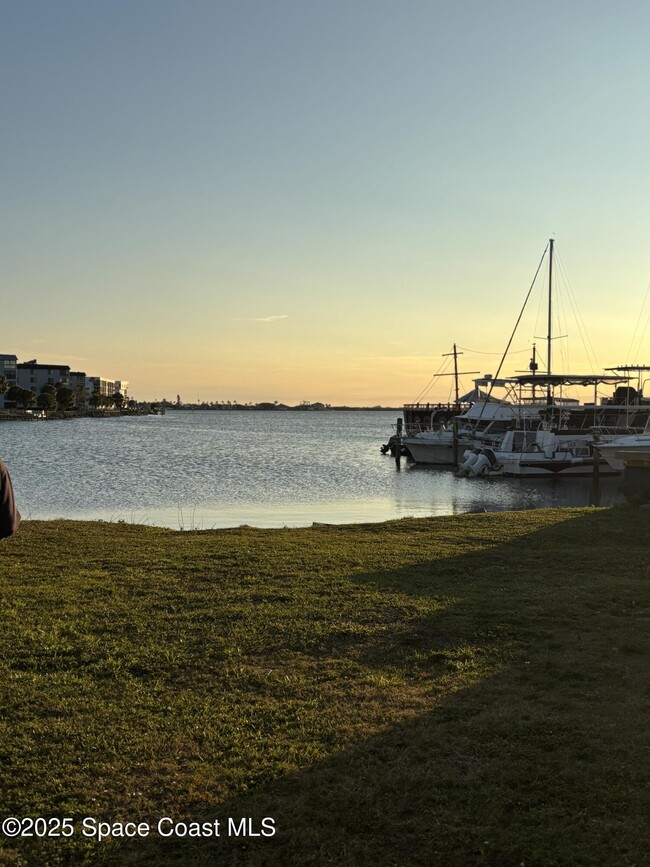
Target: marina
{"x":537,"y":429}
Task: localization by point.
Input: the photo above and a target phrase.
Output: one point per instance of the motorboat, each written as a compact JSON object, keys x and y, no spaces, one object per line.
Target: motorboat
{"x":484,"y":423}
{"x":535,"y":453}
{"x":616,"y":451}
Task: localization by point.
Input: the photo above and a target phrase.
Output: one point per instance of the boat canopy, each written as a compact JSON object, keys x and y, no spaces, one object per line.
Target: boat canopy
{"x":570,"y":379}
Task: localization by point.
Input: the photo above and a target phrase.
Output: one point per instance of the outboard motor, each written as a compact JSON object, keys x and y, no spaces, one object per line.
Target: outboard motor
{"x":485,"y":461}
{"x":469,"y":459}
{"x":480,"y":466}
{"x":392,"y":446}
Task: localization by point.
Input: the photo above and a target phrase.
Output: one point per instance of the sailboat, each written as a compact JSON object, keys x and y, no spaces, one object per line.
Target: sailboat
{"x":430,"y":424}
{"x":563,"y":441}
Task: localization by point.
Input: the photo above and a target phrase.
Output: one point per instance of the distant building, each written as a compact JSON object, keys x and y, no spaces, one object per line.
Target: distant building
{"x":34,"y":376}
{"x":8,"y":370}
{"x":99,"y":385}
{"x":106,"y":387}
{"x":78,"y":385}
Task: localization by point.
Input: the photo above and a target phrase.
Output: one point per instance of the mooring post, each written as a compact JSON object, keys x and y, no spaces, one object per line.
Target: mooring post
{"x":595,"y":477}
{"x":398,"y":442}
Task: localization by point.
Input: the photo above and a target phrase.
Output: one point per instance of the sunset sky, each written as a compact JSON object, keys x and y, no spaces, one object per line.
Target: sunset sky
{"x":311,"y":200}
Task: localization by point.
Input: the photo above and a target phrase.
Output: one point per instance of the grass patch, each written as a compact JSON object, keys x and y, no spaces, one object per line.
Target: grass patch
{"x":467,"y":690}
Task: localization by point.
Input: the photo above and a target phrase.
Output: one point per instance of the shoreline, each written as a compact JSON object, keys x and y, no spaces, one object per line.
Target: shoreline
{"x":9,"y":415}
{"x":351,"y":525}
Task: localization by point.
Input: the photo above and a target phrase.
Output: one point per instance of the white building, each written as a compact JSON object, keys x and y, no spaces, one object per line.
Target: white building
{"x":100,"y":385}
{"x":106,"y":387}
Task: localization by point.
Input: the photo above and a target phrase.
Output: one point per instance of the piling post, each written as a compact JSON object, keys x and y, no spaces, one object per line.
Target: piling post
{"x":595,"y":477}
{"x":398,"y":442}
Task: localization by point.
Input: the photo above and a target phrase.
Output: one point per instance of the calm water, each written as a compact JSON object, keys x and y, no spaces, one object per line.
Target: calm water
{"x":268,"y":469}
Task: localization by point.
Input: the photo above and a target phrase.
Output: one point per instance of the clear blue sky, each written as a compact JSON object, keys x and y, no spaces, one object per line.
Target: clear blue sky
{"x":313,"y":200}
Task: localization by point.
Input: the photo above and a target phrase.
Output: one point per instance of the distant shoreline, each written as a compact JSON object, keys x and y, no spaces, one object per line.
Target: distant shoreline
{"x":9,"y":415}
{"x":256,"y":408}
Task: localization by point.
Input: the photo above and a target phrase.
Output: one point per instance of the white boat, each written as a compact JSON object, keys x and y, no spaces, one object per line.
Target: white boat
{"x":535,"y":453}
{"x":484,"y":423}
{"x":434,"y":447}
{"x":420,"y":420}
{"x":618,"y":450}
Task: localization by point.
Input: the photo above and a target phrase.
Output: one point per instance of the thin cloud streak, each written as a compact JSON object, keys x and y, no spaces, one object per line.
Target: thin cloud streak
{"x":261,"y":318}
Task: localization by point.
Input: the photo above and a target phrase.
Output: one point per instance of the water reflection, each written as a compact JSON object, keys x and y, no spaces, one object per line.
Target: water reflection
{"x":451,"y":494}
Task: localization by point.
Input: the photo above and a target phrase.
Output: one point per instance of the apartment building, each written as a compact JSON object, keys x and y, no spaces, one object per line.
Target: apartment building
{"x":99,"y":385}
{"x":8,"y":370}
{"x":34,"y":376}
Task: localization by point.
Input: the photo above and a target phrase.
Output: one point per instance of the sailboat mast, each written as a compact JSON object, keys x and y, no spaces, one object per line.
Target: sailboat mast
{"x":455,"y":353}
{"x":533,"y":367}
{"x":549,"y":333}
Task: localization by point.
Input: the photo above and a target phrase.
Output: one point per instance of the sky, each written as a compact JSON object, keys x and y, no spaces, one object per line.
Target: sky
{"x":294,"y":200}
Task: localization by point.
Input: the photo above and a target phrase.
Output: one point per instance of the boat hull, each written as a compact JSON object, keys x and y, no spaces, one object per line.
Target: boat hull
{"x":618,"y":451}
{"x":553,"y":468}
{"x":428,"y":452}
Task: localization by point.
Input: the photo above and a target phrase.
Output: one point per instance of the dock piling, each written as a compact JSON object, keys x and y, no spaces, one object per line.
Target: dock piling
{"x":398,"y":442}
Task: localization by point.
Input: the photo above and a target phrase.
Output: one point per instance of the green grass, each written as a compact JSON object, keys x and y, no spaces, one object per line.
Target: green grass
{"x":469,"y":690}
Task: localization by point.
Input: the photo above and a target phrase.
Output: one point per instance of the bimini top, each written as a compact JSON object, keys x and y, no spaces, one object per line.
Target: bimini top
{"x":570,"y":379}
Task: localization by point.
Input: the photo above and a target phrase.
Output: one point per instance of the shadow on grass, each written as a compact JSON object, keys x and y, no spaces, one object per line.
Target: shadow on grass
{"x":521,"y":737}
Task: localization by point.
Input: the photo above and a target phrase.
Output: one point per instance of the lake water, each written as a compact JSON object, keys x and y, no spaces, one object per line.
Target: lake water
{"x":268,"y":469}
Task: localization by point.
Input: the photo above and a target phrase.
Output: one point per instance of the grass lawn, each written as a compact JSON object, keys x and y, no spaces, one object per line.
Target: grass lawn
{"x":458,"y":691}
